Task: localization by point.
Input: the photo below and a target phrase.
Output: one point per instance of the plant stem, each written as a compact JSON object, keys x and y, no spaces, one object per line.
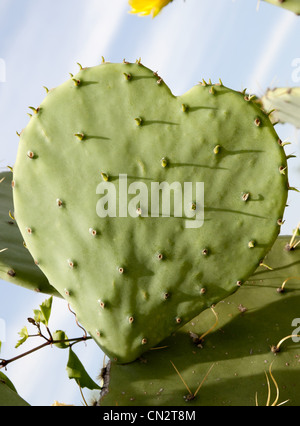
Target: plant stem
{"x":4,"y":363}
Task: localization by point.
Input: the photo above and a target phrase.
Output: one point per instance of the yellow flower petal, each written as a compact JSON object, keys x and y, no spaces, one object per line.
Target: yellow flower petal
{"x":58,"y":404}
{"x":147,"y":7}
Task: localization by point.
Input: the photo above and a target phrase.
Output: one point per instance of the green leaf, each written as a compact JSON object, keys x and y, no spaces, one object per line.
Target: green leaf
{"x":76,"y":371}
{"x":60,"y":335}
{"x":46,"y":310}
{"x":24,"y":336}
{"x":37,"y":315}
{"x":43,"y":315}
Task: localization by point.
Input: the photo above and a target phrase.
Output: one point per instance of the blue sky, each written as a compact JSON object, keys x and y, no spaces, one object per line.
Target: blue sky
{"x":40,"y":43}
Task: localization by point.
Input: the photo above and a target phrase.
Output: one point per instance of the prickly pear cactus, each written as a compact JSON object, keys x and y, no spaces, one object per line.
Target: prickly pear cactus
{"x":8,"y":394}
{"x":292,"y":5}
{"x":285,"y":102}
{"x":238,"y":350}
{"x":102,"y":142}
{"x":16,"y":263}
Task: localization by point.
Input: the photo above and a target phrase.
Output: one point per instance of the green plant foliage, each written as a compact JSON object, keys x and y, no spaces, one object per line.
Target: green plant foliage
{"x":16,"y":263}
{"x":251,"y":322}
{"x":76,"y":371}
{"x":23,"y":337}
{"x":285,"y":102}
{"x":60,"y":335}
{"x":8,"y":394}
{"x":132,"y":281}
{"x":44,"y":314}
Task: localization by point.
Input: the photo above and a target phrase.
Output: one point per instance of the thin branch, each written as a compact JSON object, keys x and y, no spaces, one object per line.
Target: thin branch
{"x":84,"y":400}
{"x":4,"y":363}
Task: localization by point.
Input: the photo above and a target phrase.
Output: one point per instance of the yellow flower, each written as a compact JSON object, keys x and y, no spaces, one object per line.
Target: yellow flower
{"x":147,"y":7}
{"x":58,"y":404}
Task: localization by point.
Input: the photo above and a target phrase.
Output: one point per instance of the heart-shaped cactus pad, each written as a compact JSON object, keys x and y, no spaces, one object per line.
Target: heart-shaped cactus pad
{"x":141,"y":208}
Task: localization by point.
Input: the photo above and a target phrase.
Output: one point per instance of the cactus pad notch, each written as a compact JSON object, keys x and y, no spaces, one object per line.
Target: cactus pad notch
{"x":133,"y":281}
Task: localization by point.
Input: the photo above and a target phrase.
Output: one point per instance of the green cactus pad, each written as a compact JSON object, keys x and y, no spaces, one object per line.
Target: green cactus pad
{"x":250,"y":322}
{"x":134,"y":280}
{"x":292,"y":5}
{"x":16,"y":263}
{"x":8,"y":394}
{"x":285,"y":102}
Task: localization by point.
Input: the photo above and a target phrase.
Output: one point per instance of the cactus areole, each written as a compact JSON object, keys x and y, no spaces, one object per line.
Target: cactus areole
{"x":206,"y":187}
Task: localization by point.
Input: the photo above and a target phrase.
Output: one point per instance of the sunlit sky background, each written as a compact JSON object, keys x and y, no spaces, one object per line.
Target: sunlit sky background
{"x":40,"y":43}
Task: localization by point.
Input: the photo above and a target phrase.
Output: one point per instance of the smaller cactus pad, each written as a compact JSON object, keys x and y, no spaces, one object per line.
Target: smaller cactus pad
{"x":250,"y":323}
{"x":285,"y":101}
{"x":8,"y":394}
{"x":16,"y":263}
